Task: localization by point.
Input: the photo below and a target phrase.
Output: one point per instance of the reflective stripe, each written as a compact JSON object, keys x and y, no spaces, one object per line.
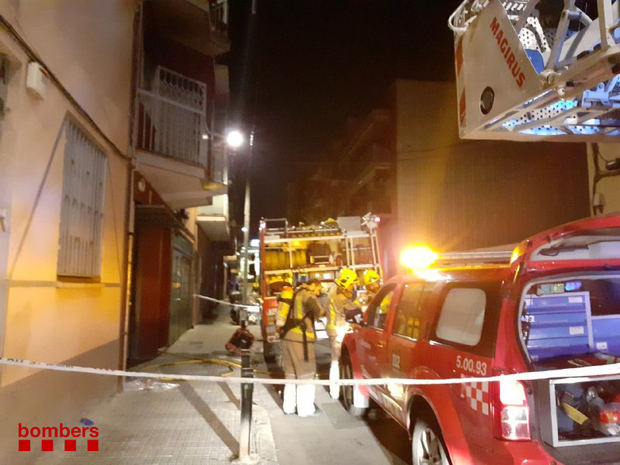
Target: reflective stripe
{"x":309,"y":334}
{"x":331,"y":321}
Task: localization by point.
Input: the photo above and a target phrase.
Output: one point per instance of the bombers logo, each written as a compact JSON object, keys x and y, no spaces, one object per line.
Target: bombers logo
{"x":509,"y":56}
{"x":47,"y":435}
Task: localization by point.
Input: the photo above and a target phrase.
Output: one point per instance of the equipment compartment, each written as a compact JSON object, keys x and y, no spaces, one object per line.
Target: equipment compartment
{"x":585,"y":412}
{"x":568,"y":322}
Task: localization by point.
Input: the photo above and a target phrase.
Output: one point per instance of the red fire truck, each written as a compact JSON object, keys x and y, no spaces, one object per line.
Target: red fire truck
{"x":295,"y":254}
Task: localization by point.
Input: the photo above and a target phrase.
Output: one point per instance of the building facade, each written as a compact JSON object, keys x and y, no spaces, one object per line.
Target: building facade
{"x":108,"y":117}
{"x":406,"y":163}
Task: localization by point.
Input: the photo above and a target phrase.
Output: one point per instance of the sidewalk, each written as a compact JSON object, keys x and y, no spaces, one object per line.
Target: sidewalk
{"x":175,"y":422}
{"x":191,"y":423}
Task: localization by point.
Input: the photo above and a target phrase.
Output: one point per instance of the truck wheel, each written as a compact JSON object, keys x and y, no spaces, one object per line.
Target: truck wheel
{"x":427,"y":445}
{"x":347,"y":392}
{"x":271,"y":352}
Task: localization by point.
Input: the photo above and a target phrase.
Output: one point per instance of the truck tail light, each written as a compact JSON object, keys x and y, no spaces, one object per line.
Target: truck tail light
{"x":608,"y":415}
{"x":511,"y":411}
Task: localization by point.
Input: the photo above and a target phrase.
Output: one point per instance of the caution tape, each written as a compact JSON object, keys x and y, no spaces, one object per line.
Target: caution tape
{"x":211,"y":299}
{"x":568,"y":375}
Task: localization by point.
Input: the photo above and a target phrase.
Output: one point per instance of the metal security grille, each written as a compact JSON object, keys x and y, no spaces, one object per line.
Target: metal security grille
{"x":172,"y":117}
{"x":82,"y":206}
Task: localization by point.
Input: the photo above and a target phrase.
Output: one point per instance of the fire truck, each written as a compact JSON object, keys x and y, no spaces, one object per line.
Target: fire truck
{"x":295,"y":254}
{"x":532,"y":69}
{"x":526,"y":70}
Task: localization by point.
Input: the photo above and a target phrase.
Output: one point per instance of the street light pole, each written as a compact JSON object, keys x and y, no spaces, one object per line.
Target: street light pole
{"x":246,"y":368}
{"x":246,"y":233}
{"x":246,"y":225}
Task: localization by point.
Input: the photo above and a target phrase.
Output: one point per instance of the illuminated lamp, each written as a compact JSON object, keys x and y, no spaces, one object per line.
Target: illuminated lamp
{"x":418,"y":257}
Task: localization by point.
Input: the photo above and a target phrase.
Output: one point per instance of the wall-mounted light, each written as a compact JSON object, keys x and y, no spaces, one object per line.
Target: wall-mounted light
{"x":612,"y":165}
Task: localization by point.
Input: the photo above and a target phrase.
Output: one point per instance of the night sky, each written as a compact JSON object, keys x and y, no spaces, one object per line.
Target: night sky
{"x":300,"y":68}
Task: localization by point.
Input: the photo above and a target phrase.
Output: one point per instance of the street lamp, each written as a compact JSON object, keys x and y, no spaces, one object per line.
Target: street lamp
{"x":235,"y":139}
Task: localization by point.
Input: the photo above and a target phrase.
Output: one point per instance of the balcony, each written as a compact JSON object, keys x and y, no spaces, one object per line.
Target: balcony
{"x":374,"y":128}
{"x":214,"y":219}
{"x":201,"y":25}
{"x":170,"y":144}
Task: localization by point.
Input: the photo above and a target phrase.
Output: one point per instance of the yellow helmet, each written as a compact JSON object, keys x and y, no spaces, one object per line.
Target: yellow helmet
{"x":287,"y":277}
{"x":370,"y":276}
{"x":347,"y":278}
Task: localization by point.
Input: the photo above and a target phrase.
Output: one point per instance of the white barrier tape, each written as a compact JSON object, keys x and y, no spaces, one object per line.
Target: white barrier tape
{"x":569,"y":375}
{"x":211,"y":299}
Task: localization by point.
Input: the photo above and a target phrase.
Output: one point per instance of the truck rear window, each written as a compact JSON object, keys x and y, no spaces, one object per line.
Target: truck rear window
{"x":574,"y":316}
{"x":468,"y":317}
{"x":462,"y":316}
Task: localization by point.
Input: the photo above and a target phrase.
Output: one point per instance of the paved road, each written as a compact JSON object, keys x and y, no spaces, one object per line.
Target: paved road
{"x":331,"y":436}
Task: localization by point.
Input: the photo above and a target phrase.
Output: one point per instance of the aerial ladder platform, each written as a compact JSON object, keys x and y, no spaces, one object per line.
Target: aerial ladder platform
{"x":538,"y":69}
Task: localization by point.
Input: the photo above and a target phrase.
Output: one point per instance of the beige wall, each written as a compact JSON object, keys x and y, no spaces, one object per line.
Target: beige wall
{"x":455,"y":194}
{"x":46,"y":319}
{"x":87,"y":44}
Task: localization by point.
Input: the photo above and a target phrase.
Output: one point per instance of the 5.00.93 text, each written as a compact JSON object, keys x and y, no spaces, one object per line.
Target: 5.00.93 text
{"x":473,"y":366}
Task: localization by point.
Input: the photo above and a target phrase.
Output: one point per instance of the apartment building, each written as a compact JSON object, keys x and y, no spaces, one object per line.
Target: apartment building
{"x":113,"y":187}
{"x":405,"y":162}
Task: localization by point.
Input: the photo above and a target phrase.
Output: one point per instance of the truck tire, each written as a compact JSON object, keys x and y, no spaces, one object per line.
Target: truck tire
{"x":346,"y":392}
{"x":427,"y":445}
{"x":234,"y":316}
{"x":271,"y":352}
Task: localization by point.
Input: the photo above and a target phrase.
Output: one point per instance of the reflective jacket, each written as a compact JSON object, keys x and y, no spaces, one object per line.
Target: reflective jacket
{"x":339,"y":302}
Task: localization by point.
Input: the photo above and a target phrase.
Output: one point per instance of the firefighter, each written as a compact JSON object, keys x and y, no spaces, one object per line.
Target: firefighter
{"x":372,"y":282}
{"x":296,"y":316}
{"x":340,"y":300}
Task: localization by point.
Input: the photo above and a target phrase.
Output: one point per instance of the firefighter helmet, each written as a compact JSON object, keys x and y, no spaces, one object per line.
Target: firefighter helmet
{"x":347,"y":278}
{"x":370,"y":277}
{"x":287,"y":278}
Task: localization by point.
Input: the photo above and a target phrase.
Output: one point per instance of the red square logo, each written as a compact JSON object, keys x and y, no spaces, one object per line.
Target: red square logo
{"x":47,"y":445}
{"x":24,"y":445}
{"x":93,"y":445}
{"x":70,"y":445}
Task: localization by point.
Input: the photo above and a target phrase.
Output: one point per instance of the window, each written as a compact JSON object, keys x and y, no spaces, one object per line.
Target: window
{"x":379,"y":307}
{"x":408,"y":319}
{"x":462,"y":316}
{"x":79,"y":252}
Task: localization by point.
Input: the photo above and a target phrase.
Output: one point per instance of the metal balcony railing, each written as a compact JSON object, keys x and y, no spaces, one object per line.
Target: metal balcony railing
{"x":219,"y":15}
{"x":171,"y":118}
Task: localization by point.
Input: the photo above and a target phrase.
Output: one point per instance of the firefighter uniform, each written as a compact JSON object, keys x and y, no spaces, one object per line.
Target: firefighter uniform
{"x":340,"y":300}
{"x":372,"y":282}
{"x":297,"y":343}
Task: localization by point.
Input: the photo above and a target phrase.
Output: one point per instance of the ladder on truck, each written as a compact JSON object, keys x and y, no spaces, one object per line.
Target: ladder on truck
{"x":288,"y":237}
{"x":353,"y":238}
{"x":532,"y":68}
